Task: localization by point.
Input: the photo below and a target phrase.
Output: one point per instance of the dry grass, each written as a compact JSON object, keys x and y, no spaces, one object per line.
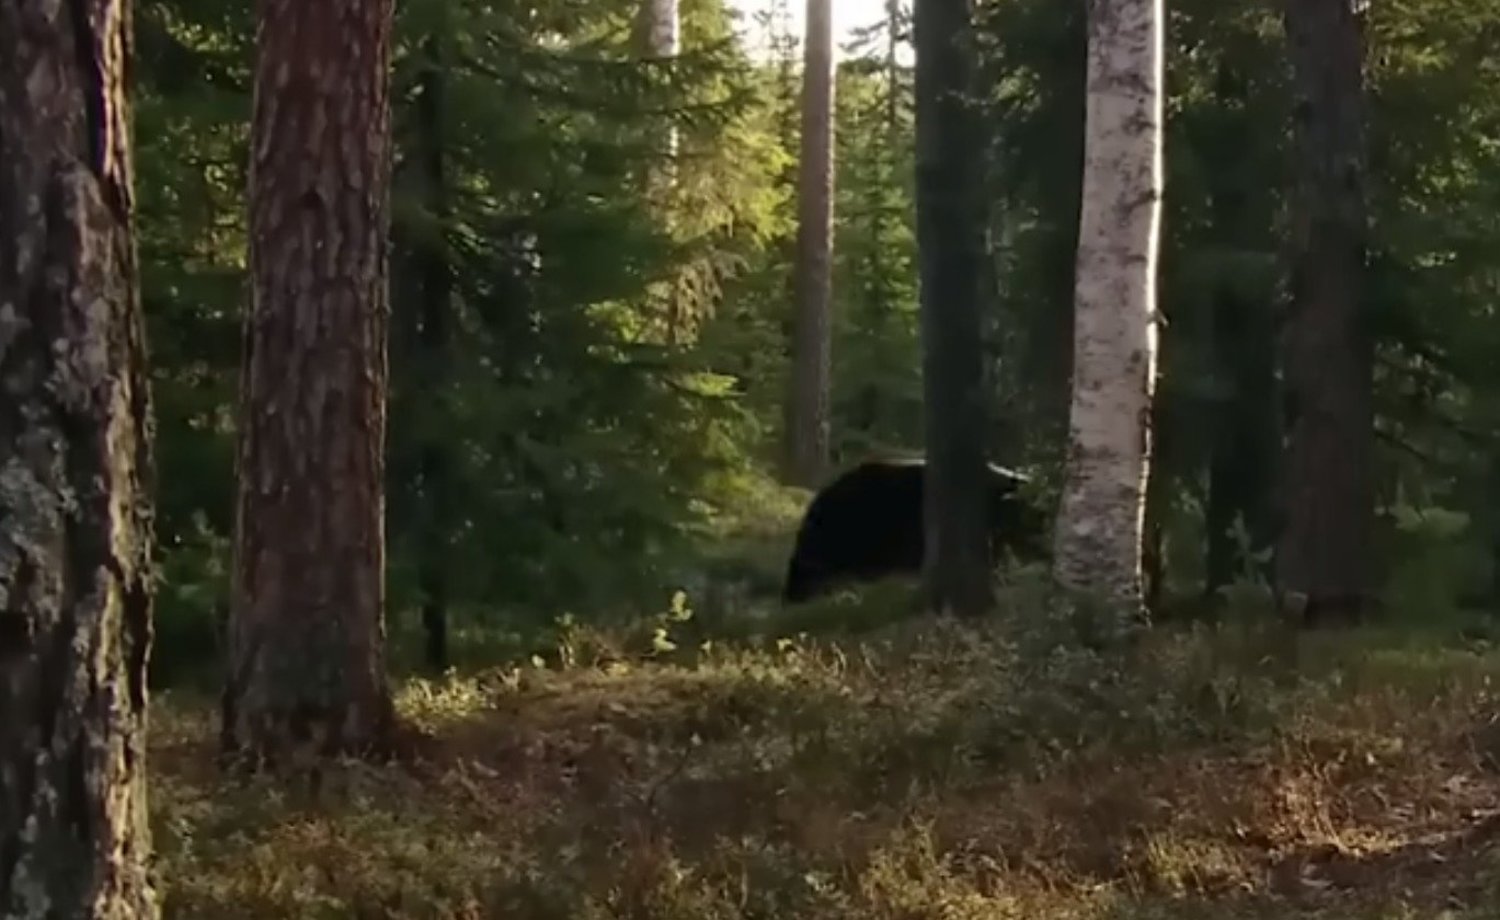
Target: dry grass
{"x":930,"y":771}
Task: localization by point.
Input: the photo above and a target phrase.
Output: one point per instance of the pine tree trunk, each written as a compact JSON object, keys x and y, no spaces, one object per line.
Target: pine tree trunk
{"x":1100,"y":520}
{"x":75,"y":473}
{"x":306,"y":642}
{"x":950,"y":251}
{"x":1324,"y":553}
{"x":813,"y":329}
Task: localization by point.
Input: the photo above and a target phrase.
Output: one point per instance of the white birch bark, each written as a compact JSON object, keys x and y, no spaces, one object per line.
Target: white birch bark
{"x":1100,"y":521}
{"x":657,"y":37}
{"x":661,"y":36}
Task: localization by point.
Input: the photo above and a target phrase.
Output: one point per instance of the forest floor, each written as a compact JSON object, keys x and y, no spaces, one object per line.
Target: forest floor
{"x":922,"y":770}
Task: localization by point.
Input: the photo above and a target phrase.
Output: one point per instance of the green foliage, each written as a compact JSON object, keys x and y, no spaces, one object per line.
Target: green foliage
{"x":609,"y":401}
{"x":191,"y":125}
{"x":877,"y":398}
{"x":609,"y":404}
{"x":580,"y":428}
{"x":582,"y":437}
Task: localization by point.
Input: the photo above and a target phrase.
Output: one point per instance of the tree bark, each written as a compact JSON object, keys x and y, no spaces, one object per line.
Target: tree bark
{"x":812,"y":337}
{"x":659,"y":27}
{"x":1324,"y":552}
{"x":1100,"y":520}
{"x":306,"y":642}
{"x":75,"y":472}
{"x":950,"y":246}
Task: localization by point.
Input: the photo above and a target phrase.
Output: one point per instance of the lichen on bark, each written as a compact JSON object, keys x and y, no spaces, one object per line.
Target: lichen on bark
{"x":75,"y":473}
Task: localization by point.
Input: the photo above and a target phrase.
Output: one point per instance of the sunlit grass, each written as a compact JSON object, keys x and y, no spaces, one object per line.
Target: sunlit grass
{"x":923,"y":769}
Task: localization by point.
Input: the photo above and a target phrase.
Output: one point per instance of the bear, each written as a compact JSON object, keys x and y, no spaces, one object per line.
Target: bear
{"x":867,"y":524}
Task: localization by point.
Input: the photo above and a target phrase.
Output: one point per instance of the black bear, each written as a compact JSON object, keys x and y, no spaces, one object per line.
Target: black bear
{"x":867,"y":524}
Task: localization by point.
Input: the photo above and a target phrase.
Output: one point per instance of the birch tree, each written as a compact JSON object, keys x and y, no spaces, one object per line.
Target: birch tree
{"x":659,"y":35}
{"x":1101,"y":517}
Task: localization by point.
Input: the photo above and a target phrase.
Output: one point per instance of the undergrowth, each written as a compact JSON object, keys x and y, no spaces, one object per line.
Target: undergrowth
{"x":925,"y":769}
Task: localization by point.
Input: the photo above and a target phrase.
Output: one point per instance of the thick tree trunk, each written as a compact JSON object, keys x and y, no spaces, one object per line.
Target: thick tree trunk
{"x":1324,"y":553}
{"x":950,"y":246}
{"x":306,"y":642}
{"x":75,"y":473}
{"x":1101,"y":516}
{"x":812,"y":336}
{"x":437,"y":304}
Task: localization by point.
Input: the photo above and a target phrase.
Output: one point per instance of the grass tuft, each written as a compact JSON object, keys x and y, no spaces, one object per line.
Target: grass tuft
{"x":917,"y":770}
